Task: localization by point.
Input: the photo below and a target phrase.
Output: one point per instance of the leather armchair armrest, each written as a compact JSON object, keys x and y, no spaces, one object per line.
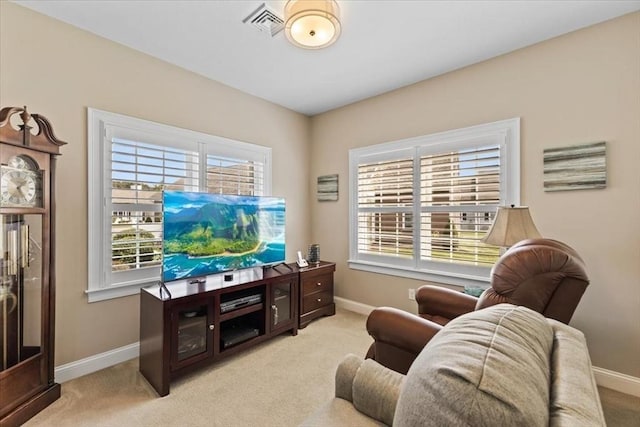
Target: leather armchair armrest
{"x":398,"y":337}
{"x":442,"y":302}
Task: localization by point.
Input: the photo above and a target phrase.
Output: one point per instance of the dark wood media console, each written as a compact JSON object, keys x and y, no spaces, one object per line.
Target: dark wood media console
{"x":194,"y":324}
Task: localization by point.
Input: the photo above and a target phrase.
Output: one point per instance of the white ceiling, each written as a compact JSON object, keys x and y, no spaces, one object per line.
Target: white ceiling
{"x":385,"y":44}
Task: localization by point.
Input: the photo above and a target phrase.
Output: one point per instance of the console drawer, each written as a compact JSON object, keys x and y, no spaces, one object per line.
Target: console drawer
{"x":316,"y":300}
{"x":317,"y":283}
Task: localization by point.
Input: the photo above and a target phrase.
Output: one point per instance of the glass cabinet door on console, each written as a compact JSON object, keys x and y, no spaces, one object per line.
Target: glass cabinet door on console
{"x":193,"y":329}
{"x":282,"y":304}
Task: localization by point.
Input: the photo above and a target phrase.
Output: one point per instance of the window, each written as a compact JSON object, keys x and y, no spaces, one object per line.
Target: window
{"x":131,"y":161}
{"x":419,"y":207}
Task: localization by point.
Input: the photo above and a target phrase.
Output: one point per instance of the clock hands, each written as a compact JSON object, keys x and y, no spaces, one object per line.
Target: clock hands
{"x":15,"y":187}
{"x":19,"y":188}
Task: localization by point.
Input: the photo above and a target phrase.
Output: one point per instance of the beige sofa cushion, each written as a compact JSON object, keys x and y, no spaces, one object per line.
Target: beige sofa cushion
{"x":574,"y":393}
{"x":376,"y":390}
{"x":366,"y":394}
{"x":488,"y":367}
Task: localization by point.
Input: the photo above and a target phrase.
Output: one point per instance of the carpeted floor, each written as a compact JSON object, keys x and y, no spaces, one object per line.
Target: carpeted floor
{"x":620,"y":410}
{"x":277,"y":383}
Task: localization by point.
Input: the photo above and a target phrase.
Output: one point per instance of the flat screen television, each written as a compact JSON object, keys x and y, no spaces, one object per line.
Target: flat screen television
{"x":212,"y":233}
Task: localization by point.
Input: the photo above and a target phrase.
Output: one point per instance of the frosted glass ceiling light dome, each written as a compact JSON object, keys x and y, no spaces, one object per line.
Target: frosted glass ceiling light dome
{"x":312,"y":24}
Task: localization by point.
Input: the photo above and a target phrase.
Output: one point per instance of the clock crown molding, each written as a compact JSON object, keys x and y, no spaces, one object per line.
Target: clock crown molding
{"x":44,"y":140}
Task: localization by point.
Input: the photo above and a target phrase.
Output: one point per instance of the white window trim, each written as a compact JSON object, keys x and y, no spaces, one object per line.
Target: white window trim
{"x":507,"y":132}
{"x":98,"y":123}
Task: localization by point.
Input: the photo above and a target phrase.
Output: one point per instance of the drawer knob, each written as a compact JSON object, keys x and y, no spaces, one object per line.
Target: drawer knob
{"x":319,"y":284}
{"x":319,"y":300}
{"x":211,"y":327}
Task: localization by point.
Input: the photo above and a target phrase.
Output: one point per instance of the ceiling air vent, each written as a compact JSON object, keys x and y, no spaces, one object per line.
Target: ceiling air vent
{"x":265,"y":20}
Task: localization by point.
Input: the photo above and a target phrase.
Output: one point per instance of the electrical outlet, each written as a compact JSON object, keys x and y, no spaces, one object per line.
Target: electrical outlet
{"x":412,"y":294}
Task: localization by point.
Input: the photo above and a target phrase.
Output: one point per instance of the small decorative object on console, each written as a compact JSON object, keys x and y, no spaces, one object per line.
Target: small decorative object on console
{"x":314,"y":254}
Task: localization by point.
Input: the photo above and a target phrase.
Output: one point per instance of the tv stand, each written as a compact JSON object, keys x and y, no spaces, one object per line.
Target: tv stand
{"x":185,"y":325}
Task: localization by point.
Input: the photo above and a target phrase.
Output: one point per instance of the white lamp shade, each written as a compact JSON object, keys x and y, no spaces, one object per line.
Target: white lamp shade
{"x":512,"y":224}
{"x":312,"y":24}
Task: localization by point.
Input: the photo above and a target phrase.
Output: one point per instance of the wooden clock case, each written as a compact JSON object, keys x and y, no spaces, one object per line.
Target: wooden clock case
{"x":27,"y":267}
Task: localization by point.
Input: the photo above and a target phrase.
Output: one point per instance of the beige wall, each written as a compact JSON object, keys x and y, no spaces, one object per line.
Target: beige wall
{"x":58,"y":71}
{"x":578,"y":88}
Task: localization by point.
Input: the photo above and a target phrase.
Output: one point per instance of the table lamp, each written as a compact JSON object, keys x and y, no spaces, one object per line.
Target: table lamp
{"x":512,"y":224}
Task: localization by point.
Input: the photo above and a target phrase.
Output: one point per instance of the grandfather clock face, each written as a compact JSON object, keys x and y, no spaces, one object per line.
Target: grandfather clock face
{"x":20,"y":183}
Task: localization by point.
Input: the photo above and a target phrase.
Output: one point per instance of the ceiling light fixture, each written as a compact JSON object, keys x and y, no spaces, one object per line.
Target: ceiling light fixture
{"x":312,"y":24}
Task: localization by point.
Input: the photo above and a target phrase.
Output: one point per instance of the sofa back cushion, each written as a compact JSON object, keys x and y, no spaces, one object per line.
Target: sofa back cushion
{"x":488,"y":367}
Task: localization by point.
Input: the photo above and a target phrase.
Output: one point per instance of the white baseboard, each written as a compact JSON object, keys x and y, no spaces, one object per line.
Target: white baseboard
{"x":96,"y":362}
{"x":354,"y":306}
{"x":604,"y":377}
{"x":617,"y":381}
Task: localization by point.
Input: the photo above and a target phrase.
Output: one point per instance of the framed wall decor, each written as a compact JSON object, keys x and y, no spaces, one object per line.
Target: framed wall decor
{"x":327,"y":188}
{"x":576,"y":167}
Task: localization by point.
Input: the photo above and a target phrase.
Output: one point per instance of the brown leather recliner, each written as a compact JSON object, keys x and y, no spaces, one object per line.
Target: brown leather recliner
{"x":544,"y":275}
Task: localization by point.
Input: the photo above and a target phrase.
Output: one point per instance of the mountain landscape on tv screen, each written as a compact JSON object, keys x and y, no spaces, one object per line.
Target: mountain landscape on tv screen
{"x":206,"y":233}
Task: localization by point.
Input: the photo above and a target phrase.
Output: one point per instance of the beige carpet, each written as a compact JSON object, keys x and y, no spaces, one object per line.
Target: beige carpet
{"x":277,"y":383}
{"x":620,"y":410}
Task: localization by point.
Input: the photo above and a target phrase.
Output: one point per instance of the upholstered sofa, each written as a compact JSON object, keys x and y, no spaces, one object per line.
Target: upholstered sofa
{"x":505,"y":365}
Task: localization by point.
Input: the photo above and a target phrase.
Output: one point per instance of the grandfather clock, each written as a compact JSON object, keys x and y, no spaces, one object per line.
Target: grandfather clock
{"x":28,"y":149}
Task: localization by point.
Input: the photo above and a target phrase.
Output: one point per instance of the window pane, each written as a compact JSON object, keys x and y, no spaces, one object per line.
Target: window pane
{"x":139,"y":173}
{"x":455,"y":236}
{"x":387,"y":183}
{"x":234,"y":176}
{"x":470,"y":177}
{"x":136,"y":240}
{"x":389,"y":233}
{"x":385,"y":200}
{"x":459,"y":193}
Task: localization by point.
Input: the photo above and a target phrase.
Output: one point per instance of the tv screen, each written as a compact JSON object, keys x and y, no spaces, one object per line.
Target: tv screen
{"x":212,"y":233}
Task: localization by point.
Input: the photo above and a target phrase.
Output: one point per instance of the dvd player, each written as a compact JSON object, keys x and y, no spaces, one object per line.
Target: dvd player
{"x":240,"y":302}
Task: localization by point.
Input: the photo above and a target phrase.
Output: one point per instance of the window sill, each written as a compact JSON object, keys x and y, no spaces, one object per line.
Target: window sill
{"x":426,"y":275}
{"x":96,"y":295}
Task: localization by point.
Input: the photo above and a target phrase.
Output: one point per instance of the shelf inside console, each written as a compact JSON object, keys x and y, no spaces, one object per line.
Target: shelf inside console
{"x":241,"y":328}
{"x":241,"y":312}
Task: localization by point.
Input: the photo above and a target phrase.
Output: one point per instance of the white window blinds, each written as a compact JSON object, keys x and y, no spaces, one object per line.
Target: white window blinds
{"x":139,"y":173}
{"x":234,"y":176}
{"x":131,"y":161}
{"x":419,"y":207}
{"x":385,"y":208}
{"x":459,"y":194}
